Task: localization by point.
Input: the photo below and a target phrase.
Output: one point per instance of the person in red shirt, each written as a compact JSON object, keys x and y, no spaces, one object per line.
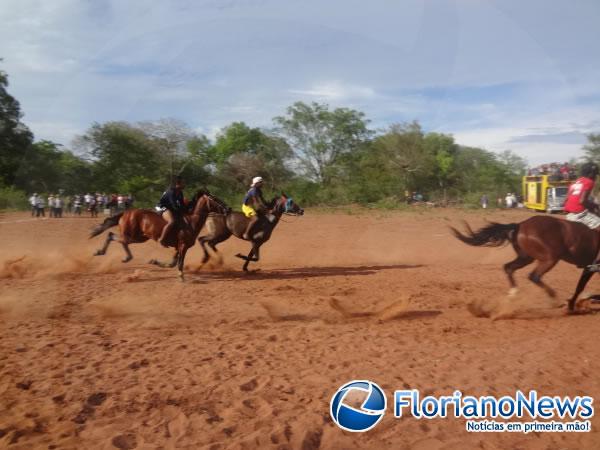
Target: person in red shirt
{"x":579,"y":204}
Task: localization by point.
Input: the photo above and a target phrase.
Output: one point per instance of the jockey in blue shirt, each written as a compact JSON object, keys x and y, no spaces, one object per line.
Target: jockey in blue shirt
{"x":173,"y":205}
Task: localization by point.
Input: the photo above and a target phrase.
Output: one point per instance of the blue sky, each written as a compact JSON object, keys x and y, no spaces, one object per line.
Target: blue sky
{"x":518,"y":75}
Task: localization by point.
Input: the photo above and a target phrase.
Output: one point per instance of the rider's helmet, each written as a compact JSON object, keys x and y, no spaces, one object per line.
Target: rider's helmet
{"x":256,"y":180}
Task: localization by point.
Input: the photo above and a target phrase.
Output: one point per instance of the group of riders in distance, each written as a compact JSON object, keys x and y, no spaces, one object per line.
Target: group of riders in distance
{"x":177,"y":223}
{"x":545,"y":239}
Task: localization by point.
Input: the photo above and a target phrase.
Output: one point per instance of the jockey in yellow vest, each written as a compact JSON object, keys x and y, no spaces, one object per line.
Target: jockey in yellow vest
{"x":253,"y":201}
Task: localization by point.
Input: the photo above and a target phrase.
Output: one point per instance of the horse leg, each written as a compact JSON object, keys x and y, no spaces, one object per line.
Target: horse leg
{"x":539,"y":271}
{"x":516,"y":264}
{"x":109,"y":237}
{"x":249,"y":257}
{"x":128,"y":256}
{"x":583,"y":280}
{"x":206,"y":257}
{"x":182,"y":252}
{"x":172,"y":264}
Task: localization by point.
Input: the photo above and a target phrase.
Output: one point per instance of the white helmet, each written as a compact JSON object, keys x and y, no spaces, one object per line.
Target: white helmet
{"x":256,"y":180}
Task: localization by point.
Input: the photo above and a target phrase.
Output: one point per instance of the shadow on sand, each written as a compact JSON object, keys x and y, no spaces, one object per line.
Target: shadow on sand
{"x":301,"y":272}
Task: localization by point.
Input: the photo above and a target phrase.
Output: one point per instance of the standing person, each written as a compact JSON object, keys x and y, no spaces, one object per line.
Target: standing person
{"x":51,"y":205}
{"x":77,"y":205}
{"x":484,"y":201}
{"x":129,"y":201}
{"x":93,"y":206}
{"x":40,"y":211}
{"x":173,"y":207}
{"x":121,"y":202}
{"x":33,"y":201}
{"x":58,"y":206}
{"x":579,"y":205}
{"x":253,"y":204}
{"x":508,"y":200}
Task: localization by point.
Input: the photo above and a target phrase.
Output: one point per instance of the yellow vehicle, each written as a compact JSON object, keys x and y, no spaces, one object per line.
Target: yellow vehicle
{"x":542,"y":193}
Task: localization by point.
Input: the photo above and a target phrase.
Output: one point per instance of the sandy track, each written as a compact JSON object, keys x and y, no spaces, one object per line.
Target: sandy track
{"x":97,"y":354}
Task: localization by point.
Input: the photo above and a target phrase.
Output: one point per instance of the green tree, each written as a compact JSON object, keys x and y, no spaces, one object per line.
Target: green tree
{"x":15,"y":137}
{"x":319,"y":137}
{"x":592,"y":148}
{"x":121,"y":152}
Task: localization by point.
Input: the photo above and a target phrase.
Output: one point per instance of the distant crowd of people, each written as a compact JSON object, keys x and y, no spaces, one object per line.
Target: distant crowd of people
{"x":58,"y":204}
{"x":556,"y":171}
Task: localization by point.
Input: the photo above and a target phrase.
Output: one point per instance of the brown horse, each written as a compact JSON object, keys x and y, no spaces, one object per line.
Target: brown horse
{"x":546,"y":240}
{"x":221,"y":227}
{"x":139,"y":225}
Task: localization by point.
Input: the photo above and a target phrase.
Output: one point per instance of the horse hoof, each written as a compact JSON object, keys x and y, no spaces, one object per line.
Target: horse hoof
{"x":152,"y":261}
{"x":512,"y":292}
{"x":99,"y":253}
{"x":181,"y":276}
{"x":126,"y":260}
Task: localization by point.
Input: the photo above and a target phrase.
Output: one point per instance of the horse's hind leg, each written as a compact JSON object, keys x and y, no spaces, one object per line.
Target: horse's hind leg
{"x":516,"y":264}
{"x":128,"y":256}
{"x":109,"y":237}
{"x":206,"y":256}
{"x":539,"y":271}
{"x":583,"y":280}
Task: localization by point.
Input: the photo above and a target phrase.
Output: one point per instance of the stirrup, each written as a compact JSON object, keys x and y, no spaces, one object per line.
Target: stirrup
{"x":593,"y":267}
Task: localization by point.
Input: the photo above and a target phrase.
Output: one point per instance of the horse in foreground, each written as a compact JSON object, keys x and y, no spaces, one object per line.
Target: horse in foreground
{"x":139,"y":225}
{"x":221,"y":227}
{"x":546,"y":240}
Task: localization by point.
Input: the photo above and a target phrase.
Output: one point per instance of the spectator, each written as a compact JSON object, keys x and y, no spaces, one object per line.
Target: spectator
{"x":58,"y":206}
{"x":509,"y":200}
{"x":33,"y":200}
{"x":40,"y":207}
{"x":484,"y":201}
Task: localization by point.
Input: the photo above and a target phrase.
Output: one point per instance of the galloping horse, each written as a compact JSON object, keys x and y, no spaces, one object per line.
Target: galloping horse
{"x":221,"y":227}
{"x":546,"y":240}
{"x":139,"y":225}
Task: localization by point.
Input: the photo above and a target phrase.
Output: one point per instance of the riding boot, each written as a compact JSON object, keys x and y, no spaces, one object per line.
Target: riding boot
{"x":165,"y":232}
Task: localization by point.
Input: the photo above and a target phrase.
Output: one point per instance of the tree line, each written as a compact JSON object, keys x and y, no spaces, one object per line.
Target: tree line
{"x":320,"y":155}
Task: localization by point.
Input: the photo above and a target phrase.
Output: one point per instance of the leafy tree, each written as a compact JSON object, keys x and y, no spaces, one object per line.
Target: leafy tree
{"x":121,"y":152}
{"x":241,"y":152}
{"x":592,"y":148}
{"x":15,"y":137}
{"x":319,"y":137}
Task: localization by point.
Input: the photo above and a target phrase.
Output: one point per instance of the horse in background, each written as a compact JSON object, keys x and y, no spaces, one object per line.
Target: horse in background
{"x":544,"y":239}
{"x":222,"y":227}
{"x":139,"y":225}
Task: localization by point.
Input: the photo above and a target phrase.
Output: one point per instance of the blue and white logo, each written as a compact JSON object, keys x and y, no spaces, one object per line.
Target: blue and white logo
{"x":370,"y":413}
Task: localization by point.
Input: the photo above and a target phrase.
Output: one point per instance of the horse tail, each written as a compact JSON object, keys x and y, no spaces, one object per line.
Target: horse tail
{"x":109,"y":222}
{"x":492,"y":235}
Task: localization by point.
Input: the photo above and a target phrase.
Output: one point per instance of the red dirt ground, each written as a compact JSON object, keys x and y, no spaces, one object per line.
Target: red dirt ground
{"x":99,"y":354}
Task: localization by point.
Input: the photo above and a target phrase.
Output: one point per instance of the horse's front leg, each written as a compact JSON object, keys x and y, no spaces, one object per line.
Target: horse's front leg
{"x":109,"y":238}
{"x":170,"y":265}
{"x":182,"y":252}
{"x":252,"y":256}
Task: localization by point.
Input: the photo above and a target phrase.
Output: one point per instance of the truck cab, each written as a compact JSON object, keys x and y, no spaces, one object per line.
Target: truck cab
{"x":544,"y":193}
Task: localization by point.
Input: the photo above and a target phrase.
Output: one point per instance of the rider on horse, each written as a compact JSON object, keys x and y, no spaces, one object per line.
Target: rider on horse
{"x":579,"y":205}
{"x":254,"y":202}
{"x":173,"y":207}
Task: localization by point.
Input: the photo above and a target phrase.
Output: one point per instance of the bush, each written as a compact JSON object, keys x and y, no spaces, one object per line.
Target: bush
{"x":11,"y":198}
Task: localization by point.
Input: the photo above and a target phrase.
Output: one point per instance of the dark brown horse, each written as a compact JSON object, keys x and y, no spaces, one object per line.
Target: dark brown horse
{"x":546,"y":240}
{"x":221,"y":227}
{"x":139,"y":225}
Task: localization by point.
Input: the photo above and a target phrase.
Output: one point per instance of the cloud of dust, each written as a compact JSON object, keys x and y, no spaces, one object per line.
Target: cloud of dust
{"x":54,"y":264}
{"x":523,"y":305}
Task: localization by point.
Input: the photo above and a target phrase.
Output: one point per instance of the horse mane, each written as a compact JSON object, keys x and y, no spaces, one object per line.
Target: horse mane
{"x":217,"y":200}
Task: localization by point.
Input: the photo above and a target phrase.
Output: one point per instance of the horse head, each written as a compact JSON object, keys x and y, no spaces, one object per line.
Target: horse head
{"x":286,"y":205}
